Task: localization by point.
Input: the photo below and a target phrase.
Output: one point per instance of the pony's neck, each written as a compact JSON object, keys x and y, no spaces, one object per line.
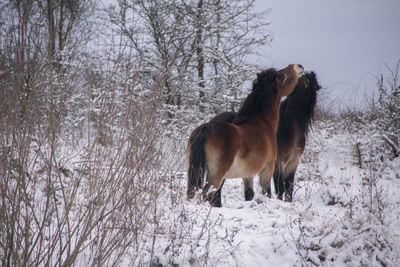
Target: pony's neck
{"x":299,"y":113}
{"x":258,"y":106}
{"x":270,"y":118}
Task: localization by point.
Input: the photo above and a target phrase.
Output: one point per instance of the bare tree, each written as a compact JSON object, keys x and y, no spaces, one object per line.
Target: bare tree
{"x":212,"y":41}
{"x":82,"y":120}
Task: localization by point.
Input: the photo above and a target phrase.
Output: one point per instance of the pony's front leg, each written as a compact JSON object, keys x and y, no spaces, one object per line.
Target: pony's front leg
{"x":248,"y":188}
{"x":289,"y":183}
{"x":265,"y":178}
{"x":278,"y":183}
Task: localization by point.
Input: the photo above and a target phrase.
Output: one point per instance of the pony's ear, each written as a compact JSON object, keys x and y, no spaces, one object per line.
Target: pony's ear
{"x":281,"y":77}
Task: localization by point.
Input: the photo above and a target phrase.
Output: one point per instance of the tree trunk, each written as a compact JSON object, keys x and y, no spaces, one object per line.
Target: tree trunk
{"x":52,"y":31}
{"x":200,"y":56}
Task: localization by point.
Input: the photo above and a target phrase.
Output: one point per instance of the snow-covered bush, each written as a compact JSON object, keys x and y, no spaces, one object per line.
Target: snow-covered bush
{"x":388,"y":108}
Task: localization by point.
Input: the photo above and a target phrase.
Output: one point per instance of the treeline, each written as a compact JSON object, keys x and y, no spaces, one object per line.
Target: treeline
{"x":77,"y":52}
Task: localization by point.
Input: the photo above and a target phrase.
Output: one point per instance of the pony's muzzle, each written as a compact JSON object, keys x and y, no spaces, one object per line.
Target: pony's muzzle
{"x":299,"y":68}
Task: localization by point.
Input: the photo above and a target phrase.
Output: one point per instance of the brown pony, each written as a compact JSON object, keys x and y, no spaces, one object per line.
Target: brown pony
{"x":248,"y":145}
{"x":295,"y":117}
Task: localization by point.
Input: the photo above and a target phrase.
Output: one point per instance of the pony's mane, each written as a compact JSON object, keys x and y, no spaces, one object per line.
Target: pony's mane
{"x":300,"y":104}
{"x":261,"y":98}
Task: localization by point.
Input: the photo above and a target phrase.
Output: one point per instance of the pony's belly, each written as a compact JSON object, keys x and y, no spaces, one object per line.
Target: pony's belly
{"x":244,"y":168}
{"x":291,"y":163}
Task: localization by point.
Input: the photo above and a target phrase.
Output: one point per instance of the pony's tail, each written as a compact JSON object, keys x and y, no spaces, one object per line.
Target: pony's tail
{"x":197,"y":161}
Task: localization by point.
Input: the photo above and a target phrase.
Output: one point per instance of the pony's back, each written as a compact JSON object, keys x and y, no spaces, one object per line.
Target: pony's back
{"x":225,"y":116}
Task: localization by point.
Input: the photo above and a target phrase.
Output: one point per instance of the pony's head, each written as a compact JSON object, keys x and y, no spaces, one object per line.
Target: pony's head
{"x":307,"y":85}
{"x":287,"y":78}
{"x":300,"y":104}
{"x":313,"y":84}
{"x":283,"y":81}
{"x":267,"y":90}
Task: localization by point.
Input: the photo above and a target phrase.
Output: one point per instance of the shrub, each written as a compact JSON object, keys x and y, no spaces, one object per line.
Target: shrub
{"x":388,"y":108}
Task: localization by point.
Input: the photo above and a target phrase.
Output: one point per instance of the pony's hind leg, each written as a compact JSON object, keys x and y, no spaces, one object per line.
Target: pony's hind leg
{"x":214,"y":197}
{"x":215,"y":179}
{"x":265,"y":178}
{"x":220,"y":156}
{"x":248,"y":188}
{"x":289,"y":182}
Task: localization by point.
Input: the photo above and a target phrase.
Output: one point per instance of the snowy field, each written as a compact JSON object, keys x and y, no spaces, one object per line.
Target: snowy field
{"x":342,"y":215}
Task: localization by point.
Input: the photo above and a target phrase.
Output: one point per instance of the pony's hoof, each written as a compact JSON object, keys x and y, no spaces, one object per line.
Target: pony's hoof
{"x":216,"y":204}
{"x":190,"y":195}
{"x":266,"y":192}
{"x":214,"y":200}
{"x":288,"y":200}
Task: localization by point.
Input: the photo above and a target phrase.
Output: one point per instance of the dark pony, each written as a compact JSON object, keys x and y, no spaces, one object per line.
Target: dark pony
{"x":245,"y":147}
{"x":295,"y":116}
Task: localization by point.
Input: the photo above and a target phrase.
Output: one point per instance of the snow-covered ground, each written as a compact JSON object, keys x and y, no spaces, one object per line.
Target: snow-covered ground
{"x":342,"y":215}
{"x":346,"y":208}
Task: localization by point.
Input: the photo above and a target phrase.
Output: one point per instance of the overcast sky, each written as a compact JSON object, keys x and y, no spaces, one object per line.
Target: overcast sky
{"x":346,"y":42}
